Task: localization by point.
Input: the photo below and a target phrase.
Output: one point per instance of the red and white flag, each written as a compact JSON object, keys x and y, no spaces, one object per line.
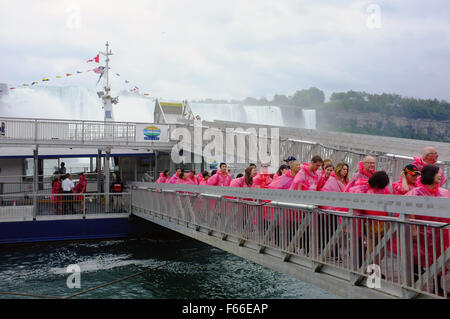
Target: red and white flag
{"x":96,"y":59}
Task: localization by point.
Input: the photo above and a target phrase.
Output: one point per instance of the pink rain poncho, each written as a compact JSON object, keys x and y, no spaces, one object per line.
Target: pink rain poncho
{"x":238,"y":182}
{"x":200,"y":178}
{"x":422,"y":190}
{"x":162,"y":179}
{"x":360,"y":175}
{"x":322,"y":181}
{"x":203,"y":182}
{"x":420,"y":164}
{"x":219,"y":180}
{"x":397,"y":187}
{"x":305,"y":179}
{"x":283,"y":182}
{"x":192,"y":180}
{"x":261,"y":181}
{"x":174,"y":179}
{"x":333,"y":184}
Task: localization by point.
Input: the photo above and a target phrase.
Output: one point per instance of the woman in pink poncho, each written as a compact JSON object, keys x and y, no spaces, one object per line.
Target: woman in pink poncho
{"x":174,"y":179}
{"x":336,"y":183}
{"x":376,"y":184}
{"x":282,"y":170}
{"x":163,"y":177}
{"x":429,"y":186}
{"x":429,"y":157}
{"x":192,"y":179}
{"x":408,"y":180}
{"x":247,"y":179}
{"x":326,"y":173}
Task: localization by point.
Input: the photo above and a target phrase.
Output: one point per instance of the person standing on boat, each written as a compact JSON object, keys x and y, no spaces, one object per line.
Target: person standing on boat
{"x":3,"y":129}
{"x":429,"y":156}
{"x":67,"y":186}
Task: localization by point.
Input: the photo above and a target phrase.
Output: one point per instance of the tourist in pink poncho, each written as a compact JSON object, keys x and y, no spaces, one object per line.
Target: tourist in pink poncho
{"x":283,"y":169}
{"x":204,"y":180}
{"x":408,"y":180}
{"x":246,"y":180}
{"x":336,"y":183}
{"x":285,"y":180}
{"x":429,"y":186}
{"x":308,"y":178}
{"x":376,"y":184}
{"x":192,"y":179}
{"x":365,"y":169}
{"x":163,"y":177}
{"x":326,"y":173}
{"x":174,"y":179}
{"x":221,"y":178}
{"x":429,"y":157}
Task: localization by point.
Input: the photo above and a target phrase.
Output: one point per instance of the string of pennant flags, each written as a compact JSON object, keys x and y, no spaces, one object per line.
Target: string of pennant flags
{"x":98,"y":70}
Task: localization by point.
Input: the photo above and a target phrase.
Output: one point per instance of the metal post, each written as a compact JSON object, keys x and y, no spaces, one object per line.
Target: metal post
{"x":35,"y":181}
{"x":156,"y":165}
{"x":106,"y":187}
{"x":84,"y":206}
{"x":99,"y":168}
{"x":135,"y":168}
{"x":405,"y":257}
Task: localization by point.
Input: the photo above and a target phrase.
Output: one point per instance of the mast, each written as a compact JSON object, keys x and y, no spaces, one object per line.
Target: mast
{"x":108,"y":101}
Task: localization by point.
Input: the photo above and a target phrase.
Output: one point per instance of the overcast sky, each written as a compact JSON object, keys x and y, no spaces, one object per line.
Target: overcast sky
{"x":233,"y":49}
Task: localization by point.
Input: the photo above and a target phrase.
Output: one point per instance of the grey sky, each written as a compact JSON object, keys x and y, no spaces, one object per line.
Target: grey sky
{"x":232,"y":49}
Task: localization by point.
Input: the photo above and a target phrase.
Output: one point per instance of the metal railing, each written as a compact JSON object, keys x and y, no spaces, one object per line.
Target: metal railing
{"x":410,"y":255}
{"x":24,"y":207}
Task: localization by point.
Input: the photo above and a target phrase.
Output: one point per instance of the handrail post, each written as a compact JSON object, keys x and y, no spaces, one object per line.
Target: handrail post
{"x":405,"y":253}
{"x":82,"y":132}
{"x":354,"y":264}
{"x":84,"y":206}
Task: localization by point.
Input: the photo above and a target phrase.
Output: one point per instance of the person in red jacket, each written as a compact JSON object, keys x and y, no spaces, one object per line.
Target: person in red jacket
{"x":221,"y":178}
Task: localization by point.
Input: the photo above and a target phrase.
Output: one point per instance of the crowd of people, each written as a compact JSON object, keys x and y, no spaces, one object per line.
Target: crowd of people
{"x":420,"y":178}
{"x":62,"y":184}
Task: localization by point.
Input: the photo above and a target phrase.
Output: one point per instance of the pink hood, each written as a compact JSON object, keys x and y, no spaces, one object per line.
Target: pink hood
{"x":261,"y":181}
{"x":162,"y":179}
{"x":219,"y":180}
{"x":333,"y":184}
{"x":239,"y":182}
{"x":282,"y":182}
{"x":305,"y":179}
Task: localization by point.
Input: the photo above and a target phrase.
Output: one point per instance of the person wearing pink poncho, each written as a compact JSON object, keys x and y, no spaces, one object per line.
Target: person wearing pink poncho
{"x":174,"y":179}
{"x":307,"y":178}
{"x":283,"y":169}
{"x":365,"y":169}
{"x":431,"y":178}
{"x":205,"y":176}
{"x":326,"y":173}
{"x":285,"y":180}
{"x":336,"y":183}
{"x":221,"y":178}
{"x":408,"y":180}
{"x":192,"y":179}
{"x":163,"y":177}
{"x":376,"y":184}
{"x":246,"y":180}
{"x":429,"y":157}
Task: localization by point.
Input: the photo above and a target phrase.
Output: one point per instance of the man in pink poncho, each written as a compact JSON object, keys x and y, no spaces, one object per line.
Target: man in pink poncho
{"x":221,"y":178}
{"x":408,"y":180}
{"x":285,"y":181}
{"x":429,"y":156}
{"x":365,"y":169}
{"x":163,"y":177}
{"x":308,"y":178}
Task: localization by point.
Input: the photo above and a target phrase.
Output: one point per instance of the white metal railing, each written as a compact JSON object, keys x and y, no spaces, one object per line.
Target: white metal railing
{"x":61,"y":206}
{"x":412,"y":255}
{"x":73,"y":132}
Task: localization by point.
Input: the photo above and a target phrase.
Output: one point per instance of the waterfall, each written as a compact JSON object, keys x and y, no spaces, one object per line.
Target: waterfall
{"x":309,"y":119}
{"x":80,"y":103}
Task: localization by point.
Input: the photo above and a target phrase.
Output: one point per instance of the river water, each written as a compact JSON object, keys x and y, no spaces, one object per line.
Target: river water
{"x":199,"y":271}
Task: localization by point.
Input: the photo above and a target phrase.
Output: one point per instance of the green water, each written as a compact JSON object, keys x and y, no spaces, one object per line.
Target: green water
{"x":199,"y":271}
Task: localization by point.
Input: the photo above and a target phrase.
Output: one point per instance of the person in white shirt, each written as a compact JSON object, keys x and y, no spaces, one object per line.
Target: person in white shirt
{"x":67,"y":185}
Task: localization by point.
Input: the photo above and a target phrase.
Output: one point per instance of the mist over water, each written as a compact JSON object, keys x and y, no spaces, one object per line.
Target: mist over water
{"x":80,"y":103}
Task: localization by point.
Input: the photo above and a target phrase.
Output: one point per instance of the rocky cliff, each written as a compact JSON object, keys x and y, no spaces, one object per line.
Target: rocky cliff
{"x":381,"y":124}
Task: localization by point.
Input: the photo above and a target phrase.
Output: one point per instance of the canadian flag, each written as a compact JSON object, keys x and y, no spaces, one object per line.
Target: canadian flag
{"x":96,"y":59}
